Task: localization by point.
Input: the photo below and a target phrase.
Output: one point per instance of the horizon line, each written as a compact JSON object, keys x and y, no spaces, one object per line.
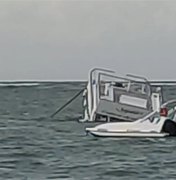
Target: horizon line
{"x":38,"y":80}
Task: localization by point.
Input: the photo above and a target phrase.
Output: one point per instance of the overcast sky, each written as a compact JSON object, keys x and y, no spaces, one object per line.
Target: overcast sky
{"x":62,"y":40}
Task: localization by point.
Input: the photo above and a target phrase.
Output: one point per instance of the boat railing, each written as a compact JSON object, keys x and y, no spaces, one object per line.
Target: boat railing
{"x":169,"y":103}
{"x":128,"y":84}
{"x":137,"y":77}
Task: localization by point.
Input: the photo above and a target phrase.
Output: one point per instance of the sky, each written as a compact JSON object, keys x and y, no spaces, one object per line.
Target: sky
{"x":63,"y":40}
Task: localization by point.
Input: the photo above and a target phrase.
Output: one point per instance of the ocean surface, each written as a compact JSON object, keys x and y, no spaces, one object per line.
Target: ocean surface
{"x":34,"y":146}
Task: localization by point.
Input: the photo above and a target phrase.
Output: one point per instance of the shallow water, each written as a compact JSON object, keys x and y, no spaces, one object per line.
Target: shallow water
{"x":33,"y":146}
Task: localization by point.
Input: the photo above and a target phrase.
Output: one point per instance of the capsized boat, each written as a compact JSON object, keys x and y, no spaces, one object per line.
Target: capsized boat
{"x":112,"y":98}
{"x":153,"y":125}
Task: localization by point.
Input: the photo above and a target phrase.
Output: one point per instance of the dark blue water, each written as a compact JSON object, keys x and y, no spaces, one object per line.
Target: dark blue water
{"x":35,"y":147}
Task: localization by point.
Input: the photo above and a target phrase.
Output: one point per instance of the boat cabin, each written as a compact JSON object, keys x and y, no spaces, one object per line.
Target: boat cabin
{"x":109,"y":97}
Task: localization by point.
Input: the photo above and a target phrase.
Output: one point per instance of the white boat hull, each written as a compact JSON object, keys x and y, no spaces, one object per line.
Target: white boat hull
{"x":140,"y":128}
{"x":127,"y":134}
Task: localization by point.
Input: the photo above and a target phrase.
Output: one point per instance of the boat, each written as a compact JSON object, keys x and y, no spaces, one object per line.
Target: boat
{"x":155,"y":124}
{"x":112,"y":98}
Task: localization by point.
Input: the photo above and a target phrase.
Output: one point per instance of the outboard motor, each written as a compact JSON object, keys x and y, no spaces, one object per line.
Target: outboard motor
{"x":169,"y":125}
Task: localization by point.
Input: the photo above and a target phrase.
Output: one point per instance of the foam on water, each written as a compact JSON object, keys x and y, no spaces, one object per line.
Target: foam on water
{"x":19,"y":84}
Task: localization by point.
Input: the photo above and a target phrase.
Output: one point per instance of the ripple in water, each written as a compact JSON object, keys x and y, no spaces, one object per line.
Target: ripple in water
{"x":33,"y":146}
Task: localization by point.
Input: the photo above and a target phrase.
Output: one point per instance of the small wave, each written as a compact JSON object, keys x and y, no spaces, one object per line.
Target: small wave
{"x":19,"y":84}
{"x":163,"y":83}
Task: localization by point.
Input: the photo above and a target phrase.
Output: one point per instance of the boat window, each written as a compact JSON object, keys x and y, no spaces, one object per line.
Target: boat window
{"x":139,"y":88}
